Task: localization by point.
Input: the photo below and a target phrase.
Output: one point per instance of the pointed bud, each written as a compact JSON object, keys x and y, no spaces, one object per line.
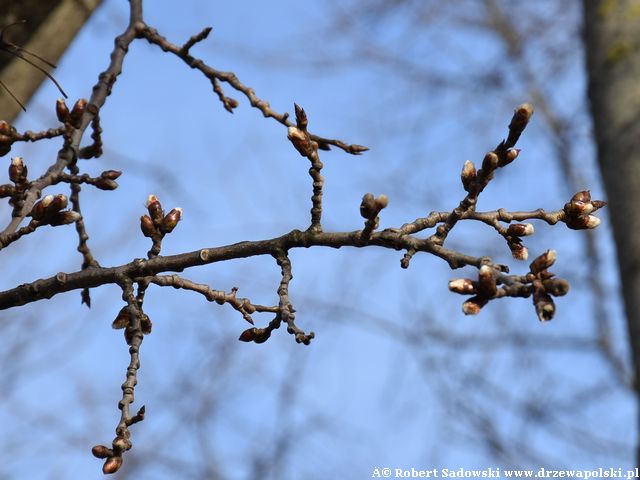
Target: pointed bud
{"x":155,"y":210}
{"x":112,"y":465}
{"x":111,"y":174}
{"x":576,"y":207}
{"x":248,"y":335}
{"x":122,"y":319}
{"x":62,"y":111}
{"x":518,"y":251}
{"x":463,"y":286}
{"x":557,"y":287}
{"x":357,"y":149}
{"x":487,"y":287}
{"x":17,"y":170}
{"x":301,"y":117}
{"x":520,"y":229}
{"x":468,"y":174}
{"x":583,"y":196}
{"x":100,"y":451}
{"x":473,"y":305}
{"x":75,"y":116}
{"x":104,"y":183}
{"x":39,"y":208}
{"x":147,"y":226}
{"x":170,"y":221}
{"x":543,"y":262}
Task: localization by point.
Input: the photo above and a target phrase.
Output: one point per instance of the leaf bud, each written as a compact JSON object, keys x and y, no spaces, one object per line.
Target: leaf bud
{"x":487,"y":287}
{"x":463,"y":286}
{"x":468,"y":174}
{"x":490,"y":162}
{"x":111,"y":174}
{"x":100,"y":451}
{"x":520,"y":229}
{"x":509,"y":156}
{"x":582,"y":222}
{"x":122,"y":319}
{"x":146,"y":225}
{"x":301,"y":141}
{"x":104,"y":183}
{"x":112,"y":465}
{"x":381,"y":202}
{"x":62,"y":111}
{"x":75,"y":116}
{"x":170,"y":221}
{"x":17,"y":170}
{"x":557,"y":287}
{"x":64,"y":218}
{"x":521,"y":116}
{"x":473,"y":305}
{"x":368,"y":206}
{"x":518,"y":251}
{"x":155,"y":209}
{"x":543,"y":262}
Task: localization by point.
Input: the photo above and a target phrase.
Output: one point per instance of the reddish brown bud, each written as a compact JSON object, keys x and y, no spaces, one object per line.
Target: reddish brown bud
{"x":62,"y":111}
{"x":5,"y":128}
{"x":468,"y":174}
{"x":357,"y":149}
{"x":170,"y":221}
{"x":521,"y":116}
{"x":145,"y":324}
{"x":582,"y":222}
{"x":38,"y":210}
{"x":473,"y":305}
{"x":7,"y":190}
{"x":58,"y":203}
{"x":544,"y":261}
{"x":487,"y":287}
{"x":248,"y":335}
{"x":122,"y":319}
{"x":75,"y":117}
{"x":301,"y":141}
{"x":301,"y":117}
{"x":146,"y":225}
{"x":17,"y":170}
{"x":100,"y":451}
{"x":463,"y":286}
{"x":155,"y":210}
{"x":583,"y":196}
{"x":545,"y":307}
{"x":518,"y":251}
{"x":520,"y":229}
{"x":509,"y":156}
{"x":575,"y":208}
{"x":112,"y":465}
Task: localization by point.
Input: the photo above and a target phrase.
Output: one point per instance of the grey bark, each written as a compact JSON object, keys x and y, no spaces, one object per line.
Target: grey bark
{"x":612,"y":40}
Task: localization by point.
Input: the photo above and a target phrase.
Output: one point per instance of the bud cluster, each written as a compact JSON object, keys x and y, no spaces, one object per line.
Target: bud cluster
{"x":513,"y":234}
{"x":156,"y":223}
{"x":73,"y":117}
{"x":544,"y":285}
{"x":579,"y":209}
{"x":50,"y":211}
{"x":299,"y":136}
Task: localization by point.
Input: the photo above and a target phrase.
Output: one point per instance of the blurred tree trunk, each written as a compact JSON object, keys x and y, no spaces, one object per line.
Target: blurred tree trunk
{"x":612,"y":39}
{"x":50,"y":27}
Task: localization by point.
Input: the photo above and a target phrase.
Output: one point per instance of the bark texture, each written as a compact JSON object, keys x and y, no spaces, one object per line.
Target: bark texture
{"x":612,"y":40}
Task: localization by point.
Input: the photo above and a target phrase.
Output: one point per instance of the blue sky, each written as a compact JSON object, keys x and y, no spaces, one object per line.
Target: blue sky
{"x":378,"y":386}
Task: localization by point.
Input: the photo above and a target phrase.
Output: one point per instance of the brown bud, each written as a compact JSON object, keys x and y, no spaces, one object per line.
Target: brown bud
{"x":544,"y":261}
{"x":75,"y":117}
{"x":368,"y":206}
{"x":104,"y":183}
{"x":40,"y":207}
{"x":155,"y":209}
{"x":5,"y":128}
{"x":473,"y":305}
{"x":58,"y":203}
{"x":145,"y":324}
{"x":521,"y":116}
{"x":301,"y":141}
{"x":520,"y":229}
{"x":557,"y":287}
{"x":518,"y":251}
{"x":17,"y":170}
{"x":490,"y":162}
{"x":301,"y":117}
{"x":100,"y":451}
{"x":463,"y":286}
{"x":121,"y":444}
{"x":545,"y":308}
{"x":111,"y":174}
{"x":487,"y":287}
{"x":146,"y":225}
{"x":357,"y":149}
{"x":112,"y":465}
{"x":248,"y":335}
{"x":576,"y":207}
{"x":582,"y":222}
{"x":583,"y":196}
{"x":64,"y":218}
{"x":381,"y":202}
{"x":170,"y":221}
{"x":509,"y":156}
{"x":7,"y":190}
{"x":62,"y":111}
{"x":122,"y":319}
{"x":598,"y":204}
{"x":468,"y":174}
